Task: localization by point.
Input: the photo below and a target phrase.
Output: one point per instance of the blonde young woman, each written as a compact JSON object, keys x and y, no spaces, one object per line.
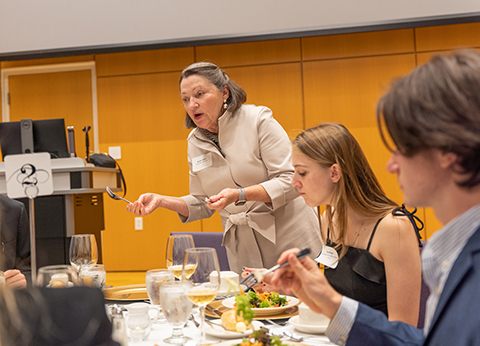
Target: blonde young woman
{"x":376,"y":244}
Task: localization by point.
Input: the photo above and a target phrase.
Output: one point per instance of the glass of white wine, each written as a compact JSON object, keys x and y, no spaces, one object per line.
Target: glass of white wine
{"x":205,"y":285}
{"x":175,"y":254}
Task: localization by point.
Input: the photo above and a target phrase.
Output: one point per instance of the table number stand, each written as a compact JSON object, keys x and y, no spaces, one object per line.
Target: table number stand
{"x":29,"y":175}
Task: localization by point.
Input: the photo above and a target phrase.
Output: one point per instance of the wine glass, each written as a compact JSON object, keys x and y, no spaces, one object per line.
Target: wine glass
{"x":176,"y":307}
{"x":83,"y":250}
{"x":204,"y":260}
{"x":57,"y":276}
{"x":154,"y":280}
{"x":93,"y":275}
{"x":175,"y":254}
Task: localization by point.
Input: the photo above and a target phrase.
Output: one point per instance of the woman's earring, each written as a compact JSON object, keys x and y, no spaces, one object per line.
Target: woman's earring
{"x":225,"y":105}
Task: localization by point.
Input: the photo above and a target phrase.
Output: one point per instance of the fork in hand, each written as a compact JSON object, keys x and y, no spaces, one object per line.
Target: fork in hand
{"x":256,"y":276}
{"x":114,"y":196}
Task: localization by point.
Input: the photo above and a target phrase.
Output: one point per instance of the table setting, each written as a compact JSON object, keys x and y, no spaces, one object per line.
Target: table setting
{"x":192,"y":302}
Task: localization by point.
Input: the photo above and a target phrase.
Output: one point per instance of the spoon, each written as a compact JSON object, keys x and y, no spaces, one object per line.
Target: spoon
{"x":114,"y":196}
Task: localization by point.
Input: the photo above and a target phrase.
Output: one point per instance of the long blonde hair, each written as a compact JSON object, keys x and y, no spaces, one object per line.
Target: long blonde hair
{"x":358,"y":188}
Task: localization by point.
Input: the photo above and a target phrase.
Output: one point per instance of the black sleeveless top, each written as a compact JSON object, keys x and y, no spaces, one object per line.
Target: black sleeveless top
{"x":361,"y":276}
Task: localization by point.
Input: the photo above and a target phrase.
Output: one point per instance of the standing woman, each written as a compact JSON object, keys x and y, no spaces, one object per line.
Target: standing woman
{"x":377,"y":246}
{"x":240,"y":162}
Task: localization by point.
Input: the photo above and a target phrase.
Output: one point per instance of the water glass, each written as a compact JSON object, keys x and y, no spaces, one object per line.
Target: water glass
{"x":83,"y":250}
{"x":57,"y":276}
{"x":176,"y":307}
{"x":93,"y":275}
{"x":154,"y":280}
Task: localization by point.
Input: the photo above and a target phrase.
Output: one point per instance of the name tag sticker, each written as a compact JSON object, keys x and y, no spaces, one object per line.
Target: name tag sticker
{"x":202,"y":162}
{"x":328,"y":257}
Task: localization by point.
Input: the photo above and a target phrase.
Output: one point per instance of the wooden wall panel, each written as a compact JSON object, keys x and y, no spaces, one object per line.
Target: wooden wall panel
{"x":54,"y":95}
{"x":150,"y":61}
{"x":277,"y":86}
{"x":347,"y":90}
{"x":250,"y":53}
{"x":144,"y":115}
{"x":50,"y":61}
{"x":447,"y":37}
{"x":358,"y":44}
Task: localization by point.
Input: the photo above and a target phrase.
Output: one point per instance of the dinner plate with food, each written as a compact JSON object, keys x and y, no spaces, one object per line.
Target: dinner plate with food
{"x":266,"y":303}
{"x":217,"y":328}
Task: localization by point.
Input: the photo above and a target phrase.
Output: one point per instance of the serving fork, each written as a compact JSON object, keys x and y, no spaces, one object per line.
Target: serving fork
{"x":116,"y":197}
{"x":257,"y":276}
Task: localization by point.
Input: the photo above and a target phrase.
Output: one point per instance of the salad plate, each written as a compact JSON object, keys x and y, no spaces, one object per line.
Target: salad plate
{"x":221,"y":333}
{"x":264,"y":312}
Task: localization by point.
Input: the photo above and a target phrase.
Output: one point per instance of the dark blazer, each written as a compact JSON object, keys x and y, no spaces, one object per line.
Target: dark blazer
{"x":15,"y":236}
{"x":456,"y":320}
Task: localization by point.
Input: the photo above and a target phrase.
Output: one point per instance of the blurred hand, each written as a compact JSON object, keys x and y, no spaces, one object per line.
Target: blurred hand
{"x":15,"y":279}
{"x":306,"y":281}
{"x":145,"y":204}
{"x":223,"y":198}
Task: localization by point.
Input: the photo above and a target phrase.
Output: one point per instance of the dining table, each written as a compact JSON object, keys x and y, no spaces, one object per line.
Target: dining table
{"x":217,"y":336}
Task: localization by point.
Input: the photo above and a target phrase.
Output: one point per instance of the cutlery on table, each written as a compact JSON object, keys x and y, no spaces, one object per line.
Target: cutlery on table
{"x":292,"y":336}
{"x":116,"y":197}
{"x":278,"y":324}
{"x":211,"y":309}
{"x":194,"y":321}
{"x":257,"y":276}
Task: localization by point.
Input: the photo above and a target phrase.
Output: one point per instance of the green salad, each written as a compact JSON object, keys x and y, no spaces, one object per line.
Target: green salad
{"x":266,"y":299}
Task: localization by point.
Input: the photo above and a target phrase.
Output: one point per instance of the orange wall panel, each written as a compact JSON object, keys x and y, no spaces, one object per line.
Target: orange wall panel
{"x":250,"y":53}
{"x":447,"y":37}
{"x":358,"y":44}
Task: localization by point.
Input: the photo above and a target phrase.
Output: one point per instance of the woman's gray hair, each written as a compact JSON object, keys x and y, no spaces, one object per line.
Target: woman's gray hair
{"x":217,"y":77}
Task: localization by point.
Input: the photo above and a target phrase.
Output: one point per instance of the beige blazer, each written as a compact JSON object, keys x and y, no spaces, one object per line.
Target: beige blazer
{"x":255,"y":150}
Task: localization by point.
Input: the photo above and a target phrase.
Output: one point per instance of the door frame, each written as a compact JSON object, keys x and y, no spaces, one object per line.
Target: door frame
{"x":15,"y":71}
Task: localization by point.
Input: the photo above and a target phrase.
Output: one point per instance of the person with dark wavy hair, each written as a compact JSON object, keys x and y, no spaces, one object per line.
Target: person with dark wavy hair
{"x":240,"y":162}
{"x":432,"y":116}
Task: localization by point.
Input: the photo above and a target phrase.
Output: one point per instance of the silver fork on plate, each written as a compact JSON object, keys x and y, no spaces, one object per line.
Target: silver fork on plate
{"x":256,"y":276}
{"x":116,"y":197}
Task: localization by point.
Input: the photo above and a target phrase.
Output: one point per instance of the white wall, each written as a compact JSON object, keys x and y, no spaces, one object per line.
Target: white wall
{"x":43,"y":25}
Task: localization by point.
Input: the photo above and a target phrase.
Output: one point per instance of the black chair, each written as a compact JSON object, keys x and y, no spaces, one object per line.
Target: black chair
{"x":210,"y":239}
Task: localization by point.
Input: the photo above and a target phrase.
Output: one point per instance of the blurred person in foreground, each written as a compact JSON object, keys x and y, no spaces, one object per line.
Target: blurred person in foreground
{"x":40,"y":316}
{"x":432,"y":116}
{"x":15,"y":243}
{"x":240,"y":162}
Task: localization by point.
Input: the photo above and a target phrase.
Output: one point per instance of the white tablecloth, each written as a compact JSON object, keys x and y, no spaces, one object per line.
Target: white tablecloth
{"x":164,"y":330}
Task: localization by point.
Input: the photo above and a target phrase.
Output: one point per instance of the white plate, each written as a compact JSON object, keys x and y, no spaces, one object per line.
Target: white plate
{"x":221,"y":333}
{"x":292,"y":301}
{"x":308,"y":328}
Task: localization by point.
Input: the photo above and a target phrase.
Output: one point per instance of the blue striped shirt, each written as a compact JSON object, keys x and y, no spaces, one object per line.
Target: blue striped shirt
{"x":438,"y":257}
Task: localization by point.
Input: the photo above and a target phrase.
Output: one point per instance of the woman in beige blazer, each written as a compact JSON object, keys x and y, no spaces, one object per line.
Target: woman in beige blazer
{"x":240,"y":163}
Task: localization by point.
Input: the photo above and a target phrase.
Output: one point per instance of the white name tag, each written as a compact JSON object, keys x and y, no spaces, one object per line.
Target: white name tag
{"x":202,"y":162}
{"x":328,"y":257}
